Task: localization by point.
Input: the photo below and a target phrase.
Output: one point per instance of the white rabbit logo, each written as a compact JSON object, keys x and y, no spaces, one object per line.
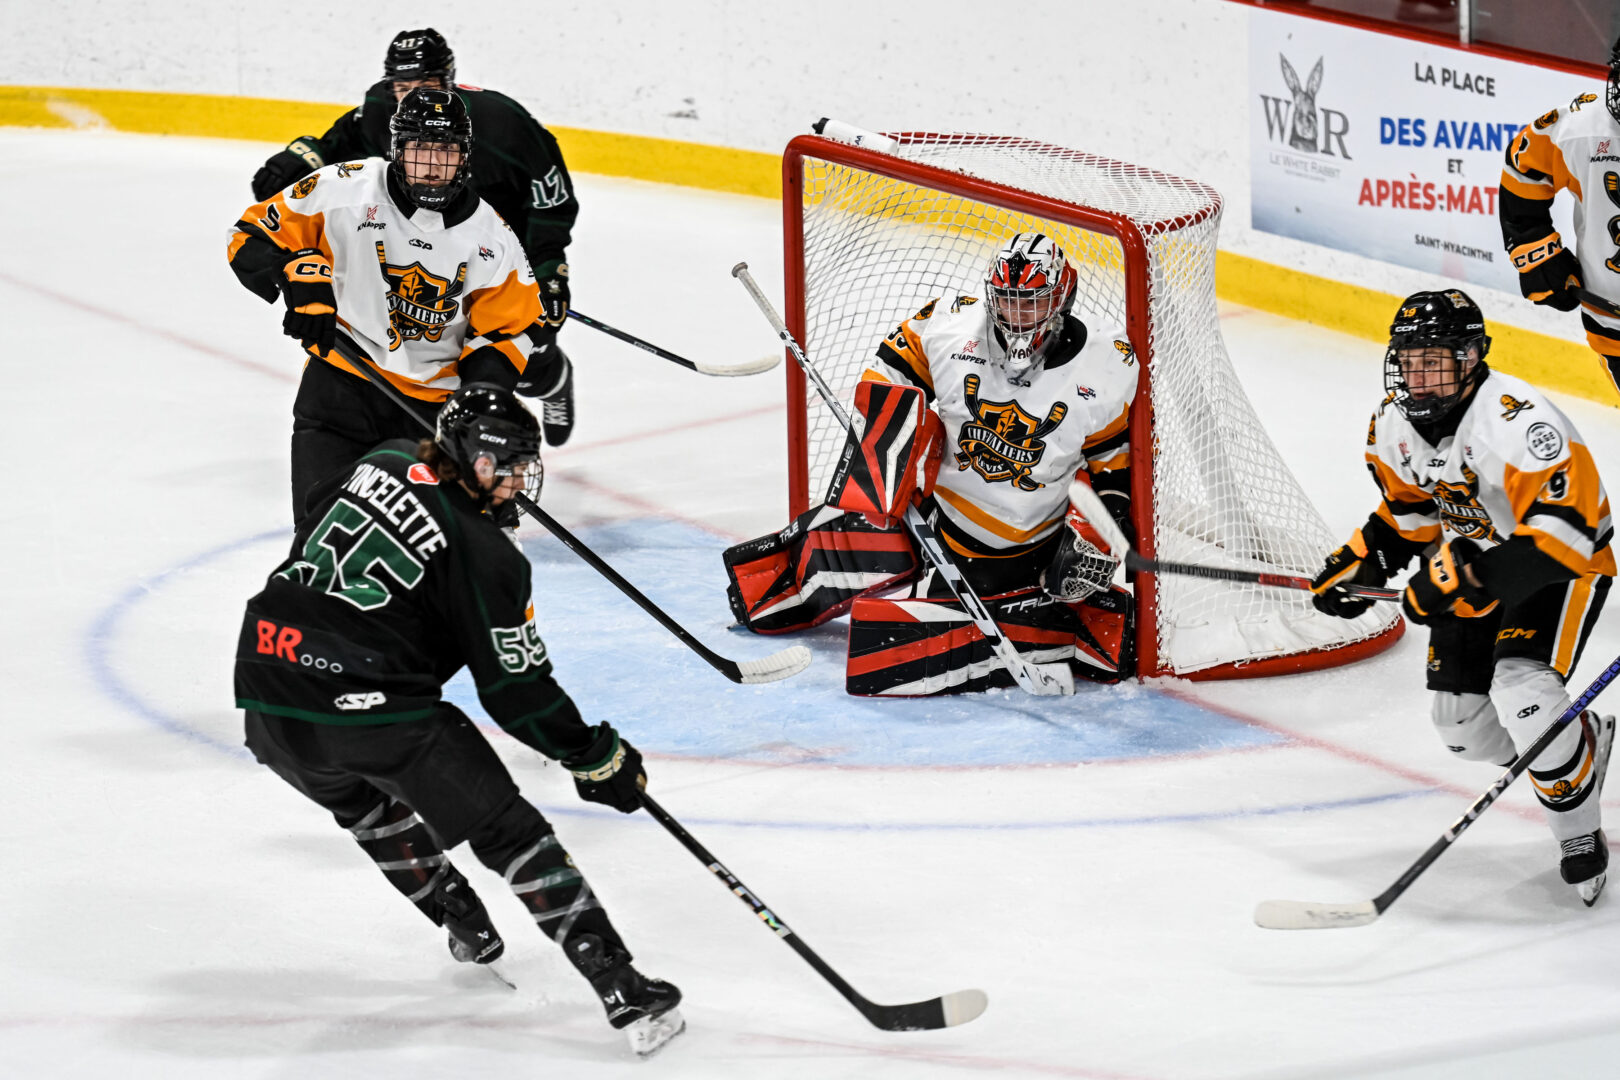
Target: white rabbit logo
{"x":1302,"y":135}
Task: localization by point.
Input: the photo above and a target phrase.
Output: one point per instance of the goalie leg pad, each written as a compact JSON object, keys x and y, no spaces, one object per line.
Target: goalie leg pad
{"x":923,"y":646}
{"x":814,"y":569}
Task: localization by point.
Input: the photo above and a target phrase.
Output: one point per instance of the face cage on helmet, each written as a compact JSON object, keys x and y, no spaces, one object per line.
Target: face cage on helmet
{"x":1612,"y":96}
{"x":431,"y":196}
{"x":1431,"y":407}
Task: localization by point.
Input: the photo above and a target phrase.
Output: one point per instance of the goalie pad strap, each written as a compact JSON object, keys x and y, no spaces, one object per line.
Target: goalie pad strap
{"x":878,"y":471}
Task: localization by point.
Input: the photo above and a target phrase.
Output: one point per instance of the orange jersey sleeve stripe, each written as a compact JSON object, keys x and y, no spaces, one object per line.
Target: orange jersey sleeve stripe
{"x":1114,"y":427}
{"x":507,"y":308}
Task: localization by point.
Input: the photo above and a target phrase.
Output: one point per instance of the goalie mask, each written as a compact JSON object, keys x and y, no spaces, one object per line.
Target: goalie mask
{"x":490,"y":436}
{"x":1436,"y":355}
{"x":429,"y":143}
{"x":1030,"y":286}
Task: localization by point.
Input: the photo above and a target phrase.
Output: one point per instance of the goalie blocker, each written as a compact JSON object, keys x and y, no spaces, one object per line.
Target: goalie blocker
{"x":834,"y":558}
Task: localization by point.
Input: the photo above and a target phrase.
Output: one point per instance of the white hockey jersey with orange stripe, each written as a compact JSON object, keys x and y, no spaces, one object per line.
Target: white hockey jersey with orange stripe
{"x":1516,"y":466}
{"x":1012,"y":443}
{"x":1577,"y":149}
{"x":415,"y":294}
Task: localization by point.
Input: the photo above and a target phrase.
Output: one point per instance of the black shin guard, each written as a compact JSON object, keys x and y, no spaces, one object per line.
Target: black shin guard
{"x":518,"y":844}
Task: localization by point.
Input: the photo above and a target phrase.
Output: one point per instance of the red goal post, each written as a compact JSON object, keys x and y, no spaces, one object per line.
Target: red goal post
{"x":870,"y":236}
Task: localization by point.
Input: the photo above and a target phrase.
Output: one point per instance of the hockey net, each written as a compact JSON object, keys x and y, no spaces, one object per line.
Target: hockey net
{"x":870,"y":236}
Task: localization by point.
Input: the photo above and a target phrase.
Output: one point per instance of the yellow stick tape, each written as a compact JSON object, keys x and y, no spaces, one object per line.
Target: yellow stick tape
{"x":1546,"y":361}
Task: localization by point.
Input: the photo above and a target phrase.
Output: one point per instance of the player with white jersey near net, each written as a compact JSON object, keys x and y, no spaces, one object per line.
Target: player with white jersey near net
{"x":984,"y":410}
{"x":1485,"y":466}
{"x":1574,"y":149}
{"x":421,"y":274}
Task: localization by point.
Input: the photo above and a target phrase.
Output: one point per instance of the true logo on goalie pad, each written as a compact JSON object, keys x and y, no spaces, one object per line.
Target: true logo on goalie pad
{"x":1004,"y":442}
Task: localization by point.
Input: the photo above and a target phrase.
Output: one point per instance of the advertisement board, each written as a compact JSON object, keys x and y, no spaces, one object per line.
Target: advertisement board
{"x":1390,"y":147}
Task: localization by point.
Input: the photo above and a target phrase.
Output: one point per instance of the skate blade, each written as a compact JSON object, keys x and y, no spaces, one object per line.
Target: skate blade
{"x":1591,"y":889}
{"x":649,"y":1034}
{"x":500,"y":976}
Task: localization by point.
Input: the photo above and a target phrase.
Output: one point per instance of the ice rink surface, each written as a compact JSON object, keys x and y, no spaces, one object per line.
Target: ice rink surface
{"x":174,"y":911}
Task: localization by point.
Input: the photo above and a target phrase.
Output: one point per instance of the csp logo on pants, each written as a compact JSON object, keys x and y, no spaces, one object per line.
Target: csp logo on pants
{"x":360,"y":702}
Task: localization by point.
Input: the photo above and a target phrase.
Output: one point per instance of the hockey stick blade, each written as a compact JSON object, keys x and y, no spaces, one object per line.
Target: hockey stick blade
{"x":1593,"y":300}
{"x":1309,"y":915}
{"x":764,"y":363}
{"x":948,"y":1010}
{"x":778,"y":665}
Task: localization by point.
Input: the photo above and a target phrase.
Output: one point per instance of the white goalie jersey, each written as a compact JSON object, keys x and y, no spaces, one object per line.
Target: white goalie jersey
{"x":1012,"y":443}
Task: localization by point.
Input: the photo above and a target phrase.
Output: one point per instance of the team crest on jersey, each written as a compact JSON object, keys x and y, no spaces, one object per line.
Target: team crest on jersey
{"x":1512,"y":407}
{"x":1372,"y":431}
{"x":1003,"y":442}
{"x":1460,"y":509}
{"x":1127,"y":355}
{"x":1583,"y":99}
{"x":348,"y":167}
{"x":927,"y":310}
{"x":305,"y":186}
{"x":420,"y":302}
{"x":962,"y":302}
{"x":1546,"y":120}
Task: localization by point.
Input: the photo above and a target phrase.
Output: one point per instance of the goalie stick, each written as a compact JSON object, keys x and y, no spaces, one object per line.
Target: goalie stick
{"x":947,"y":1011}
{"x":765,"y":363}
{"x":1308,"y":915}
{"x":1091,"y":505}
{"x":1040,"y":679}
{"x":778,"y":665}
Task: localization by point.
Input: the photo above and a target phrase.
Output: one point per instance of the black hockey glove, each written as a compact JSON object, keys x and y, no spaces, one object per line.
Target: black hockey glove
{"x":553,"y":279}
{"x":608,"y":771}
{"x":1441,"y":584}
{"x":1548,"y":272}
{"x":311,"y":304}
{"x":294,"y":163}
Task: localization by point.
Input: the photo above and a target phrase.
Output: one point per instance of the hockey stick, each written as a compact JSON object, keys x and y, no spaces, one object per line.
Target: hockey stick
{"x":1593,"y":300}
{"x":1040,"y":679}
{"x":764,"y":363}
{"x":940,"y":1012}
{"x":778,"y":665}
{"x":1091,"y":505}
{"x":1306,"y":915}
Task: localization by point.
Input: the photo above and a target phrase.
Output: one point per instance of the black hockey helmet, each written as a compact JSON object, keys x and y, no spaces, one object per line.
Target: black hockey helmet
{"x":1448,"y":320}
{"x":488,"y":432}
{"x":431,"y":116}
{"x":420,"y":54}
{"x":1613,"y":96}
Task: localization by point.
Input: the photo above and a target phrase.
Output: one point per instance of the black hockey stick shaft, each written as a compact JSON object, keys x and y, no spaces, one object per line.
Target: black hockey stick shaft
{"x":1483,"y":803}
{"x":937,"y":1012}
{"x":1135,"y":561}
{"x":731,"y":669}
{"x":1593,"y":300}
{"x":647,"y":346}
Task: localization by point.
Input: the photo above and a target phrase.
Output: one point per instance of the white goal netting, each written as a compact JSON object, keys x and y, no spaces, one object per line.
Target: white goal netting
{"x":883,"y":237}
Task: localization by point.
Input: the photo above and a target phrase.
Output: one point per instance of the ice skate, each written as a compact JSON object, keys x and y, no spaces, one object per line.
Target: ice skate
{"x":1585,"y":861}
{"x":557,"y":405}
{"x":644,"y":1009}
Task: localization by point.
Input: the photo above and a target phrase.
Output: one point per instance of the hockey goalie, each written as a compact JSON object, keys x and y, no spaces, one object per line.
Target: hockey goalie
{"x":980,"y":411}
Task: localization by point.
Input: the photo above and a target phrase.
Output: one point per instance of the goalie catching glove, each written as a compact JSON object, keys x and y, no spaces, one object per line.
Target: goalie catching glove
{"x":608,"y":770}
{"x":1082,"y":564}
{"x":889,"y":458}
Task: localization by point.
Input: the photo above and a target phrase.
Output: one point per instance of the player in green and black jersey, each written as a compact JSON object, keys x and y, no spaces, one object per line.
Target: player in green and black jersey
{"x":515,"y":166}
{"x":396,"y":580}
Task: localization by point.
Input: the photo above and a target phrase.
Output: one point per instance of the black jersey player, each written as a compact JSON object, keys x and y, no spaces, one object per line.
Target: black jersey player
{"x":515,"y":166}
{"x":396,"y":581}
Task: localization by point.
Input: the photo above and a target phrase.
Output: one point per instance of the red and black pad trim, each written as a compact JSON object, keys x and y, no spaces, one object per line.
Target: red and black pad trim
{"x":923,"y":647}
{"x":878,"y":470}
{"x":814,"y":569}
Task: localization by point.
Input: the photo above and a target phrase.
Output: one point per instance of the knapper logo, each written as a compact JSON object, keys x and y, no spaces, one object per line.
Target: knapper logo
{"x":1298,"y":121}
